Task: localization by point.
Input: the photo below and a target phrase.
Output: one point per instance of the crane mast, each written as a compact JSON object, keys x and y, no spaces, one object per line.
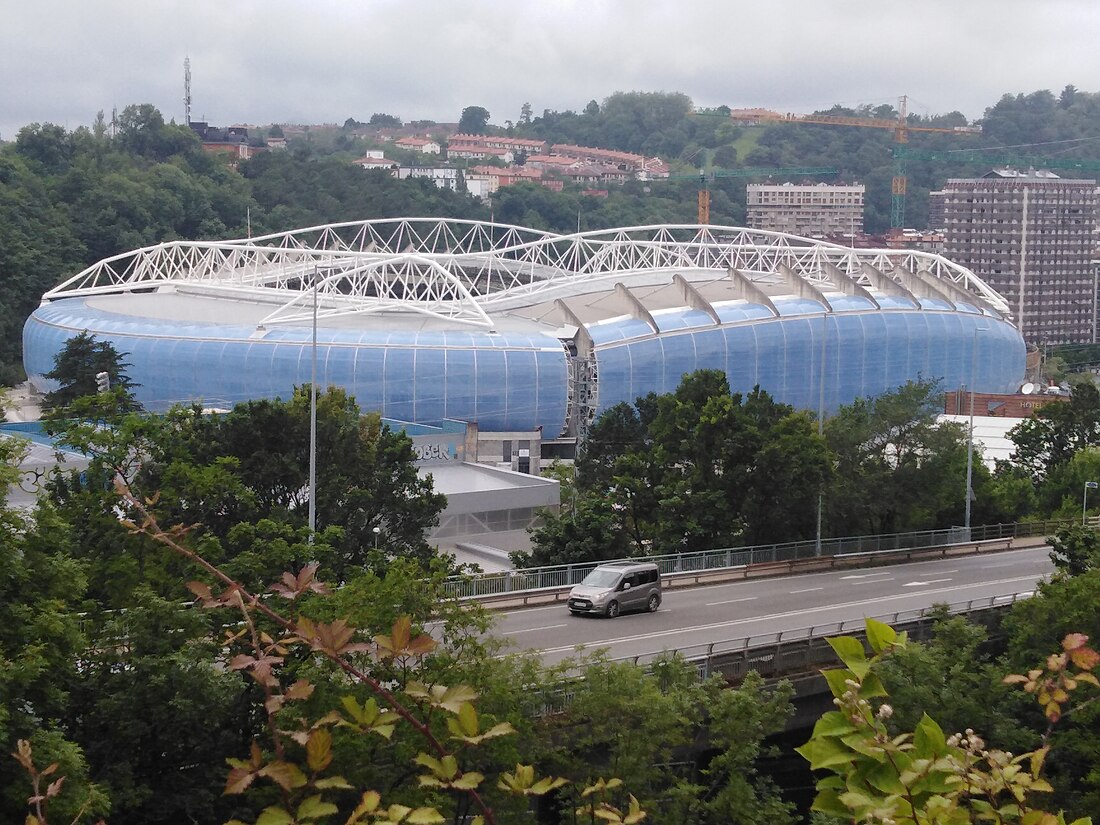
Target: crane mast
{"x":901,"y":128}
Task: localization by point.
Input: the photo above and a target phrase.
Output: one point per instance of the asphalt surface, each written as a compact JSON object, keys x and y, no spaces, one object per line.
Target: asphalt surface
{"x":692,"y":618}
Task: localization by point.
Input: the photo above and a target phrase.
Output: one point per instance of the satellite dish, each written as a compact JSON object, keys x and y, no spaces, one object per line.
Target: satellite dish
{"x":1028,"y":388}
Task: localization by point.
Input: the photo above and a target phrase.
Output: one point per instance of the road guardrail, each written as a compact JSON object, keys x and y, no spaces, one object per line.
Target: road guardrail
{"x":537,"y":582}
{"x":525,"y":596}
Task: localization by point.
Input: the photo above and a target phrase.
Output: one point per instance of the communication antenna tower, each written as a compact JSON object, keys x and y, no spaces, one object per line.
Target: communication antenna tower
{"x":187,"y":90}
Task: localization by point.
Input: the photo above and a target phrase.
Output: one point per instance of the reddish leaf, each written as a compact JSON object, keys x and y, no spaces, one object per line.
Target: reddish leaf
{"x":238,"y":781}
{"x":201,"y":590}
{"x":54,"y":787}
{"x":299,"y":690}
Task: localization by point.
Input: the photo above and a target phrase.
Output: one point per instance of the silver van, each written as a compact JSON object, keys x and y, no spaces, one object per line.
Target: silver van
{"x":617,"y":586}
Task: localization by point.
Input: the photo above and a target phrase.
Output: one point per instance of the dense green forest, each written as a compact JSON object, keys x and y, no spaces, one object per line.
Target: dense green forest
{"x":71,"y":198}
{"x":141,"y":697}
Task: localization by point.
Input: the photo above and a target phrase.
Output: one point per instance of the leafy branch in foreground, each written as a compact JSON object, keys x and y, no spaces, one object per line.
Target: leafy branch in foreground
{"x":40,"y":797}
{"x":925,"y":777}
{"x":300,"y":763}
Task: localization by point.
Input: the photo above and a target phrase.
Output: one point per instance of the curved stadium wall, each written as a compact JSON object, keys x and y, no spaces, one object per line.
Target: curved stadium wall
{"x":515,"y":329}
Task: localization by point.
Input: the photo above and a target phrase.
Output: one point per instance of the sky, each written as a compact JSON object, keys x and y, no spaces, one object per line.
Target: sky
{"x":322,"y":61}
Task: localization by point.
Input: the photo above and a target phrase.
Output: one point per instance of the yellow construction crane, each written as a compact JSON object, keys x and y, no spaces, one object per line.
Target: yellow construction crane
{"x":900,"y":127}
{"x":705,"y":178}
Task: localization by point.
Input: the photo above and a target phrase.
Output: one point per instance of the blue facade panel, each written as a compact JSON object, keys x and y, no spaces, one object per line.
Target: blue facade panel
{"x":865,"y":354}
{"x":520,"y":382}
{"x":503,"y":382}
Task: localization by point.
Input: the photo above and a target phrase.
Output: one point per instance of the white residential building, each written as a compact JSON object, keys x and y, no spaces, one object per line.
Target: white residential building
{"x":812,"y":210}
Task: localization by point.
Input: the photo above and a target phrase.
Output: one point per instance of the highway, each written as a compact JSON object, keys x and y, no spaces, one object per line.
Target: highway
{"x":713,"y":613}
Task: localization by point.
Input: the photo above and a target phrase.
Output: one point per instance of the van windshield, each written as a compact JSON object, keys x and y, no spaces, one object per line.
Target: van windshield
{"x":601,"y":578}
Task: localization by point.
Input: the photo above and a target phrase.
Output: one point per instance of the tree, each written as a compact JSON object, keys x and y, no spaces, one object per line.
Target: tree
{"x":525,"y":114}
{"x":244,"y":477}
{"x":473,"y":121}
{"x":41,"y":640}
{"x":925,"y":776}
{"x":76,"y":370}
{"x":593,"y":531}
{"x":1075,"y":550}
{"x":625,"y":722}
{"x":381,"y":119}
{"x":896,"y":468}
{"x":1056,"y":431}
{"x":158,"y":715}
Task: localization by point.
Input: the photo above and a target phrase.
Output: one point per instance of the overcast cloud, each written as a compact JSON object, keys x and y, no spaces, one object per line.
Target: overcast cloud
{"x":321,"y":61}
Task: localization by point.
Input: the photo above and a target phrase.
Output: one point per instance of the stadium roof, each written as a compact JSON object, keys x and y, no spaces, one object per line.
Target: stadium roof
{"x":483,"y":274}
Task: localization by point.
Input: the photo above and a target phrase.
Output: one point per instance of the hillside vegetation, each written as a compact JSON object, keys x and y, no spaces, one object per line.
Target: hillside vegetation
{"x":71,"y":198}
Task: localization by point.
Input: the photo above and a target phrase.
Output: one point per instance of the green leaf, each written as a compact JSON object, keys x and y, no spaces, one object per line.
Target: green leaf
{"x":866,"y":745}
{"x":454,"y":698}
{"x":547,"y":784}
{"x":313,"y":807}
{"x":353,"y":709}
{"x":274,"y":816}
{"x":837,"y":679}
{"x":332,"y":782}
{"x":319,"y":750}
{"x":429,"y":762}
{"x":824,"y":753}
{"x":467,"y":719}
{"x":850,"y":650}
{"x":424,"y":816}
{"x":884,"y":777}
{"x":871,"y":687}
{"x":828,"y":802}
{"x":928,"y":739}
{"x":880,"y":635}
{"x":468,"y":781}
{"x":832,"y":723}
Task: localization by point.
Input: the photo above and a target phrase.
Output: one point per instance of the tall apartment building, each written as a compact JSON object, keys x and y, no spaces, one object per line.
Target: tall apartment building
{"x":1030,"y":236}
{"x":813,"y":210}
{"x":935,"y":209}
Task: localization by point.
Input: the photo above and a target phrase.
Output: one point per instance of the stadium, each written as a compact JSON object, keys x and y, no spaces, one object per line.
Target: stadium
{"x":515,"y":329}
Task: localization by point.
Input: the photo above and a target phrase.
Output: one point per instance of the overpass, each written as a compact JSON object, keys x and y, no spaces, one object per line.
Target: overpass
{"x":715,"y":623}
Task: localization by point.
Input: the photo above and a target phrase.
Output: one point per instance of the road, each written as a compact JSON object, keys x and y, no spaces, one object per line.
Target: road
{"x":698,"y":616}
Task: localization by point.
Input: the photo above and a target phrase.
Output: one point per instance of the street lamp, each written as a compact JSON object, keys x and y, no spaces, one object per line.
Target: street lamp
{"x":1089,"y":485}
{"x":377,"y":532}
{"x":313,"y":418}
{"x":821,"y":423}
{"x":970,"y":434}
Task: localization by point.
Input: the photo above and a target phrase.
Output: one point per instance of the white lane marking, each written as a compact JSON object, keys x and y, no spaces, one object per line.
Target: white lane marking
{"x":730,"y":601}
{"x":808,"y":590}
{"x":925,"y":584}
{"x":865,"y":575}
{"x":532,"y":629}
{"x":523,"y":611}
{"x":789,"y":613}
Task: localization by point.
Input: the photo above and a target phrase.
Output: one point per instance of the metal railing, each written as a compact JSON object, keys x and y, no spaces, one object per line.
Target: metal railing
{"x":566,"y":575}
{"x":791,"y":651}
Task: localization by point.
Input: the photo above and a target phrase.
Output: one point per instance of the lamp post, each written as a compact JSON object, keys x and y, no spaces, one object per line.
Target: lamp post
{"x":377,"y":532}
{"x":821,"y":425}
{"x":970,"y":431}
{"x":313,"y":418}
{"x":1089,"y":485}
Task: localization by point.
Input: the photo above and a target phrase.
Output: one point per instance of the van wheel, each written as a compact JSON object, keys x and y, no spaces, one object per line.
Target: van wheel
{"x":612,"y":609}
{"x":653,"y":603}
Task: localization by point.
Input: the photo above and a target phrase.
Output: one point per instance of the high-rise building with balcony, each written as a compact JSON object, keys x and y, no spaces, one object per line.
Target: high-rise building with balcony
{"x":1029,"y":235}
{"x":813,"y":210}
